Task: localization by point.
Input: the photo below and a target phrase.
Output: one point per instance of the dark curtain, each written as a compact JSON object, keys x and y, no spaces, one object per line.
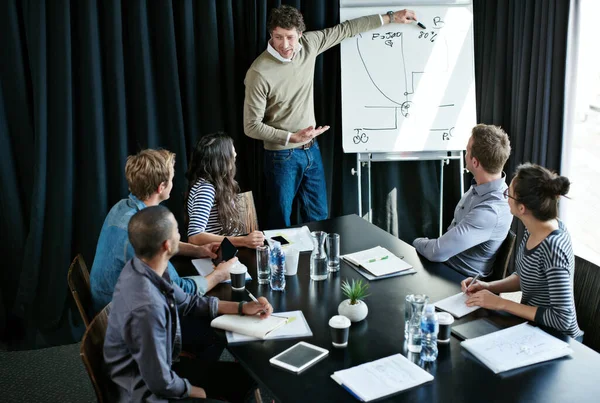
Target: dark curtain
{"x":84,"y":84}
{"x":520,"y":70}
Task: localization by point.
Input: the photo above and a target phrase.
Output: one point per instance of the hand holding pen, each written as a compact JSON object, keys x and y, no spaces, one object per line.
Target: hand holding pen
{"x":261,"y":306}
{"x":471,"y":285}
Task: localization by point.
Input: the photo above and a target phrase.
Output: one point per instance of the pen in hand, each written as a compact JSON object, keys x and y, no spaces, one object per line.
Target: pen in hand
{"x":255,"y":300}
{"x":471,"y":283}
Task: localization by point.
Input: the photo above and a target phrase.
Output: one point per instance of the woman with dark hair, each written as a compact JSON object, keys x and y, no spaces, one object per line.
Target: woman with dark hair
{"x":212,"y":191}
{"x":544,"y":263}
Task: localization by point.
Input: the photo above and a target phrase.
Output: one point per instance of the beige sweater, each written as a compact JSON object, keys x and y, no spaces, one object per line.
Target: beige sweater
{"x":279,"y":96}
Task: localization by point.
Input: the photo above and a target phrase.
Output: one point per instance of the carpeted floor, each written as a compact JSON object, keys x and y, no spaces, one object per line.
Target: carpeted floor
{"x":51,"y":375}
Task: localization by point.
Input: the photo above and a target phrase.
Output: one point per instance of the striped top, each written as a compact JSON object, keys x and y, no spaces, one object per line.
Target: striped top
{"x":546,"y":276}
{"x":202,"y":209}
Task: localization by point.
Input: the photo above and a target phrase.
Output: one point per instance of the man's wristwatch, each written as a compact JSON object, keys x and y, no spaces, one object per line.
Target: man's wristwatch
{"x":391,"y":15}
{"x":241,"y":308}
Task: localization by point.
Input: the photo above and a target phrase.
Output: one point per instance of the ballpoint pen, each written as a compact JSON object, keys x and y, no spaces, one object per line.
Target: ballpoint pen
{"x":255,"y":300}
{"x":470,"y":284}
{"x":378,"y":258}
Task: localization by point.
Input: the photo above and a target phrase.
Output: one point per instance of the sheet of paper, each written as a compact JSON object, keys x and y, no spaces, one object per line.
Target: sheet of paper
{"x":382,"y":377}
{"x":248,"y":325}
{"x":456,"y":305}
{"x":296,"y":326}
{"x":516,"y":347}
{"x":205,"y":267}
{"x":298,"y":237}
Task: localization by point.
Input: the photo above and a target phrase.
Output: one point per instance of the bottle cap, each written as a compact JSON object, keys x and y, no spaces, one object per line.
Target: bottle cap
{"x":429,"y":308}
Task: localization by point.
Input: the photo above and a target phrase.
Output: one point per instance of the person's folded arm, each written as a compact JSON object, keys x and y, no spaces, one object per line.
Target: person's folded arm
{"x":145,"y":335}
{"x":560,"y":314}
{"x":475,"y":228}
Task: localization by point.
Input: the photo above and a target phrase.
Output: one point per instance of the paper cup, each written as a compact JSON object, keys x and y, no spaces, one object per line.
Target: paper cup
{"x":340,"y":328}
{"x":291,"y":260}
{"x":445,"y":321}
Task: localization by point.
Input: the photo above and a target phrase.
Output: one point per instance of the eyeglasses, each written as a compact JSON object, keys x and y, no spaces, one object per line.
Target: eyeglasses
{"x":506,"y":195}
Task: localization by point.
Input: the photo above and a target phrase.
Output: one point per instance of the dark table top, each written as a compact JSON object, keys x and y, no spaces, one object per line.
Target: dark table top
{"x":458,"y":375}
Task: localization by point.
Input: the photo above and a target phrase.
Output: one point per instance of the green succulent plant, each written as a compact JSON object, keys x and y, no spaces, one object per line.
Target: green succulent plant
{"x":355,"y":291}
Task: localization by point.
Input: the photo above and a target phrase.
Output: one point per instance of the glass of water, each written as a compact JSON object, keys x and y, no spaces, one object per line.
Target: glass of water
{"x":263,"y":269}
{"x":318,"y":258}
{"x":333,"y":252}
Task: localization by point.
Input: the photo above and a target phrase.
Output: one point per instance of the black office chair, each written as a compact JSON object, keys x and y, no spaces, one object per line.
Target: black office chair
{"x":500,"y":268}
{"x":587,"y":301}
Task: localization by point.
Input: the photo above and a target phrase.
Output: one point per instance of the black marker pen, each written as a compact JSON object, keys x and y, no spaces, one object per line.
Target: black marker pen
{"x":421,"y":25}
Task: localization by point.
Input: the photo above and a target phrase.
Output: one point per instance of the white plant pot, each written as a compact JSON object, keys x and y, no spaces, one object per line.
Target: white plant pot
{"x":355,"y":313}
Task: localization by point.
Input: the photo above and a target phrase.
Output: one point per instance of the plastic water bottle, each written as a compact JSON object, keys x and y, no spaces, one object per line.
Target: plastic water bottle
{"x":429,"y":332}
{"x":277,"y":263}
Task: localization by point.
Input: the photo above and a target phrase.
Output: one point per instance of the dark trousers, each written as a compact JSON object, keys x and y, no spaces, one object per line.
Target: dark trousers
{"x":200,"y":340}
{"x":222,"y":381}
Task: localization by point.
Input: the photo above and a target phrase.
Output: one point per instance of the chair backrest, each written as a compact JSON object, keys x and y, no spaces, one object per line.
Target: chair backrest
{"x":92,"y":347}
{"x":247,"y":211}
{"x":586,"y":287}
{"x":79,"y":284}
{"x":499,"y":271}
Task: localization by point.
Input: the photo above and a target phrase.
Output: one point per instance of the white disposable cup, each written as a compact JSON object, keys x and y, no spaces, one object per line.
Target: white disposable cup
{"x":291,"y":260}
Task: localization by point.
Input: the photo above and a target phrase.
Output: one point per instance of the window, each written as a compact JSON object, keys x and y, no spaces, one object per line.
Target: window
{"x":581,"y":151}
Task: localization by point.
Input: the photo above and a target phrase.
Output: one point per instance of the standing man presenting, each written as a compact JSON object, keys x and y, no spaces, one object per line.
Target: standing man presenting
{"x":279,"y":110}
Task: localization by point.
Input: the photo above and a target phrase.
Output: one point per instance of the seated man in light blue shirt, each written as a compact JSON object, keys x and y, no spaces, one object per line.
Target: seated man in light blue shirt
{"x":482,"y":217}
{"x":150,"y":178}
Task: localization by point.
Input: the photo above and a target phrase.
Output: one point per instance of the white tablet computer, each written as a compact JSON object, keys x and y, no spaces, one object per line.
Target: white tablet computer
{"x":299,"y":357}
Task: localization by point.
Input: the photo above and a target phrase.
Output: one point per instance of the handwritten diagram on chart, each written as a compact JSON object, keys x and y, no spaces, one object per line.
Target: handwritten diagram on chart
{"x":410,"y":89}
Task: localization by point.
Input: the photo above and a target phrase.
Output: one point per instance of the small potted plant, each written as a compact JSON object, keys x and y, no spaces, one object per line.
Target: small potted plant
{"x":354,"y":308}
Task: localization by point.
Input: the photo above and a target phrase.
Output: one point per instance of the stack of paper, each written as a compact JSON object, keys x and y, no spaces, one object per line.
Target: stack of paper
{"x":205,"y":267}
{"x":381,"y":378}
{"x":378,"y":262}
{"x":516,"y":347}
{"x":298,"y":237}
{"x":456,"y":305}
{"x":296,"y":326}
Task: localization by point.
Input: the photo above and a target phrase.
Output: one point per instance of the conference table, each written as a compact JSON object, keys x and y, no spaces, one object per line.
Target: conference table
{"x":458,"y":376}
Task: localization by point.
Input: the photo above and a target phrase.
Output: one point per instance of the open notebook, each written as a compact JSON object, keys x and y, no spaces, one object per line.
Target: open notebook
{"x":296,"y":326}
{"x":381,"y":378}
{"x":252,"y":325}
{"x":378,"y":262}
{"x":516,"y":347}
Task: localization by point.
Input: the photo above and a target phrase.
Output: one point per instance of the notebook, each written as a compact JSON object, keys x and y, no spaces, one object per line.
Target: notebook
{"x":251,"y":325}
{"x":516,"y":347}
{"x":298,"y":237}
{"x":378,"y":262}
{"x":456,"y":305}
{"x":205,"y":267}
{"x":295,"y":327}
{"x":474,"y":328}
{"x":381,"y":378}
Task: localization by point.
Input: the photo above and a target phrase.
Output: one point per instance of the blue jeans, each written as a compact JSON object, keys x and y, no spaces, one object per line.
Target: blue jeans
{"x":295,"y":172}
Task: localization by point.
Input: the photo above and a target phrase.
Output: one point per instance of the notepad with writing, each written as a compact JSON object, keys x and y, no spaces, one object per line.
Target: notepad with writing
{"x":296,"y":326}
{"x":516,"y":347}
{"x":250,"y":325}
{"x":381,"y":378}
{"x":378,"y":261}
{"x":456,"y":305}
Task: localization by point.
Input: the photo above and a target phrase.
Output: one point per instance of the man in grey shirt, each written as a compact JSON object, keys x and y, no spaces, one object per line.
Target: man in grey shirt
{"x":143,"y":338}
{"x":482,"y":217}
